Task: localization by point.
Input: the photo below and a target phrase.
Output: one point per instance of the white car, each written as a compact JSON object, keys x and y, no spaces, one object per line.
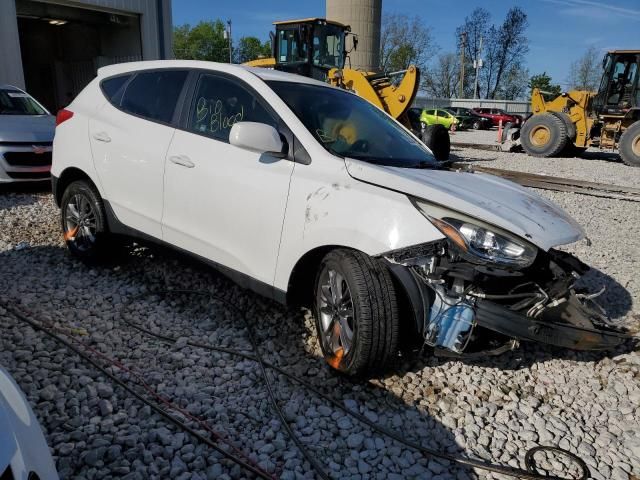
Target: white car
{"x":24,"y":454}
{"x":309,"y":194}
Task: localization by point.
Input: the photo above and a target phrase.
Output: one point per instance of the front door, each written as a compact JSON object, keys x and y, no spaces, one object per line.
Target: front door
{"x":222,"y":202}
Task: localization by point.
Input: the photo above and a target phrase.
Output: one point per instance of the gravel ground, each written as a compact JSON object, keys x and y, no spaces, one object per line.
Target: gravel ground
{"x":593,"y":166}
{"x":494,"y":408}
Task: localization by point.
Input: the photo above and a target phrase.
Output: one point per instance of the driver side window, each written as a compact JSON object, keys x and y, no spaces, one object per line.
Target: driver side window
{"x":219,"y":103}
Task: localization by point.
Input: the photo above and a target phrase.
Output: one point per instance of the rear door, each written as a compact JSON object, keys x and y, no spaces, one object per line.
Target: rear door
{"x":129,"y":136}
{"x":221,"y":202}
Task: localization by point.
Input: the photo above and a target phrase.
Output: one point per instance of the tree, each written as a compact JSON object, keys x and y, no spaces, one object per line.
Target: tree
{"x":585,"y":73}
{"x":442,"y":79}
{"x":506,"y":47}
{"x":205,"y":41}
{"x":476,"y":27}
{"x":405,"y":41}
{"x":515,"y":84}
{"x":251,"y":48}
{"x":543,"y":82}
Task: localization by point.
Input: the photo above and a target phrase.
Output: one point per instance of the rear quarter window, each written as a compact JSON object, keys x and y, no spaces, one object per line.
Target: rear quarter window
{"x":113,"y":87}
{"x":154,"y":95}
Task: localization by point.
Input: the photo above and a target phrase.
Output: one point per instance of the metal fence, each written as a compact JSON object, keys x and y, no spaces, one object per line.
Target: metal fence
{"x":510,"y":106}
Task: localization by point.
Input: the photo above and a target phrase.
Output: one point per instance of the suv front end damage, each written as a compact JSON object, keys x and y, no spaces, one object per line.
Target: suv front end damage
{"x":463,"y":305}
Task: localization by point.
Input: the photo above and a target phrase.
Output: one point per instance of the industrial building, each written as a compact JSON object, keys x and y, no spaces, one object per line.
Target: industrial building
{"x":53,"y":48}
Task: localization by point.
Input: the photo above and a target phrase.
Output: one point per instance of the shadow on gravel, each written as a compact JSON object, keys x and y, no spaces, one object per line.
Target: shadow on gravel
{"x":85,"y":298}
{"x":17,"y":194}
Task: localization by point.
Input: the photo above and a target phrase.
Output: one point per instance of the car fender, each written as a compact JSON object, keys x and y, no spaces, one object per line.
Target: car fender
{"x":327,"y":207}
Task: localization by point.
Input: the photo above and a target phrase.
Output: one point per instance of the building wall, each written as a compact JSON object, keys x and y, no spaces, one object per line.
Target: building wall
{"x":155,"y":23}
{"x":10,"y":58}
{"x":364,"y":16}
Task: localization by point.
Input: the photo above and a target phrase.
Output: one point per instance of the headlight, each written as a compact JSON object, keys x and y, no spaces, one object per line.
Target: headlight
{"x":481,"y":242}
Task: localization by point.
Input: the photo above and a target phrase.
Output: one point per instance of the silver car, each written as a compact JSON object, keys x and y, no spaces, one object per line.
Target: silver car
{"x":26,"y":137}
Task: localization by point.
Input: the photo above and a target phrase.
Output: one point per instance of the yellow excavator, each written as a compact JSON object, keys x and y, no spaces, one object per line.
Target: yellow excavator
{"x":608,"y":119}
{"x":316,"y":48}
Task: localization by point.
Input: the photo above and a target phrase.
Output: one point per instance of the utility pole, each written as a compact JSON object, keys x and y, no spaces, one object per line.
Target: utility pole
{"x":230,"y":42}
{"x":463,"y":43}
{"x":478,"y":65}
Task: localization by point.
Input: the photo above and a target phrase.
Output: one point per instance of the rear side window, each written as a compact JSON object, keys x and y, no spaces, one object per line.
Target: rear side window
{"x":154,"y":95}
{"x":112,"y":87}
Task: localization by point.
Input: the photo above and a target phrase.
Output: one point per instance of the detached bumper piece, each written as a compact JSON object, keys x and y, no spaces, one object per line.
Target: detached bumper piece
{"x":552,"y":328}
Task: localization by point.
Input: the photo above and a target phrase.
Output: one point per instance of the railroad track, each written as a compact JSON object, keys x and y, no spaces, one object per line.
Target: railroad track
{"x":560,"y":184}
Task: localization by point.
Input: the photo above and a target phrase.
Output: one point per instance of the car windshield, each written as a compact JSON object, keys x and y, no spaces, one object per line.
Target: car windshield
{"x":15,"y":102}
{"x":348,"y":126}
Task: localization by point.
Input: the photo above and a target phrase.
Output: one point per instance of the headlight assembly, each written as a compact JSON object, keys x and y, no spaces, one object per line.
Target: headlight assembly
{"x":480,"y":242}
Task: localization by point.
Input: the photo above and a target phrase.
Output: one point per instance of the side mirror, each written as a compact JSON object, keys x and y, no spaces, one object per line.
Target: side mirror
{"x":257,"y":137}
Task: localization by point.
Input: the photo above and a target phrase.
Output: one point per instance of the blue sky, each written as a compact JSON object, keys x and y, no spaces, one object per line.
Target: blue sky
{"x":559,"y":30}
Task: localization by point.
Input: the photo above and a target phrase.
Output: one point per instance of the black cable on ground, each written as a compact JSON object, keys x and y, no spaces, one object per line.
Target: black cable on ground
{"x":531,"y":473}
{"x":167,"y":416}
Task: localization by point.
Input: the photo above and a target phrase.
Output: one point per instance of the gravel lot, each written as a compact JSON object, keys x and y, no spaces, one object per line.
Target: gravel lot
{"x":493,"y":408}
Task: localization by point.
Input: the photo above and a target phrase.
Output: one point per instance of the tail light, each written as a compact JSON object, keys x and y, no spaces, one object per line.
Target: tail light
{"x":63,"y":115}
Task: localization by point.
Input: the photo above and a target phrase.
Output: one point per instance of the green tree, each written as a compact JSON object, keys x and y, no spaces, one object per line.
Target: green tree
{"x":405,"y":41}
{"x":251,"y":48}
{"x":543,"y":82}
{"x":205,"y":41}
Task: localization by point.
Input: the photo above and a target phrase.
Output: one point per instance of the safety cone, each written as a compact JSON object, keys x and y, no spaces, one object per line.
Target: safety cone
{"x":453,"y":129}
{"x":500,"y":131}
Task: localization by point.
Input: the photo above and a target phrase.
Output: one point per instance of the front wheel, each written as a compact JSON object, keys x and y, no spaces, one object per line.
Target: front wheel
{"x":436,"y":137}
{"x":544,"y":135}
{"x":84,"y":224}
{"x":356,"y":312}
{"x":629,"y":146}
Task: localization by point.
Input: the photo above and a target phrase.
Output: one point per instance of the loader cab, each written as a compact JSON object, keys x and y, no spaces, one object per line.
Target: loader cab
{"x":310,"y":47}
{"x":619,"y":92}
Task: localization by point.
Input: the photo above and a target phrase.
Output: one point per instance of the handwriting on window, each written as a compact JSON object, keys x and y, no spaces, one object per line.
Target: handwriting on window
{"x":218,"y":120}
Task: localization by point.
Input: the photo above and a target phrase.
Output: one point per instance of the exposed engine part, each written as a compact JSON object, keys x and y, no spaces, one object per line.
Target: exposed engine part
{"x":450,"y":322}
{"x":457,"y":302}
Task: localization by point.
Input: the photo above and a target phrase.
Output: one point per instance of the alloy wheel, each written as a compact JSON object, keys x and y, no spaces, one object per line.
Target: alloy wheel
{"x":336,"y":312}
{"x":80,"y":222}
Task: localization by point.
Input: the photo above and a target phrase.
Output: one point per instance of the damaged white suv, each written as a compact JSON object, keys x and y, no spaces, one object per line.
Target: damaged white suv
{"x":309,"y":194}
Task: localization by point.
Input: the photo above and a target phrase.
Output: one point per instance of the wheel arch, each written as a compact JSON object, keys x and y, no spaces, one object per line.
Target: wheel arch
{"x":68,"y":176}
{"x":410,"y":297}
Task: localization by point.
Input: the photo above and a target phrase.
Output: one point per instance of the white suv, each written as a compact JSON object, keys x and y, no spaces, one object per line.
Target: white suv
{"x":307,"y":193}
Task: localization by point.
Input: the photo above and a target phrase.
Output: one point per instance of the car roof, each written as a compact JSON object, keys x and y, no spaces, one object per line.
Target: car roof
{"x":265,"y":74}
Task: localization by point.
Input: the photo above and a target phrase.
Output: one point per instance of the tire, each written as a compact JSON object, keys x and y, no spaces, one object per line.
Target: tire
{"x":476,"y":125}
{"x":569,"y":125}
{"x":364,"y":337}
{"x":436,"y":137}
{"x":629,"y":145}
{"x":82,"y":203}
{"x":544,"y":135}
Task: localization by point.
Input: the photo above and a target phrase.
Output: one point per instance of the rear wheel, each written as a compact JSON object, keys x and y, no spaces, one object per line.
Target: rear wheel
{"x":544,"y":135}
{"x":84,"y":224}
{"x":436,"y":137}
{"x":629,"y":145}
{"x":476,"y":125}
{"x":356,"y":312}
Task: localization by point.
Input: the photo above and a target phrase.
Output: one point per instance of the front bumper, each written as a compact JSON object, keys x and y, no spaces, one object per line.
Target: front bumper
{"x":25,"y":161}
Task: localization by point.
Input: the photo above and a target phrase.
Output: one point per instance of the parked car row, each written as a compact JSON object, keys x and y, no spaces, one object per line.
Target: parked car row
{"x":462,"y":117}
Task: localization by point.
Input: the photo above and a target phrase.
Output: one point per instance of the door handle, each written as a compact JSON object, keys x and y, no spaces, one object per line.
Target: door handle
{"x":102,"y":137}
{"x":182,"y":160}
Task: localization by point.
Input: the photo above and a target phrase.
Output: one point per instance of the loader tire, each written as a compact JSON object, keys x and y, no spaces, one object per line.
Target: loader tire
{"x":629,"y":145}
{"x":544,"y":135}
{"x":436,"y":137}
{"x":569,"y":125}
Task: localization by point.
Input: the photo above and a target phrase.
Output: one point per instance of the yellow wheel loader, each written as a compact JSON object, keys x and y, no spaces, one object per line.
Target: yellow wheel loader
{"x":608,"y":119}
{"x":315,"y":47}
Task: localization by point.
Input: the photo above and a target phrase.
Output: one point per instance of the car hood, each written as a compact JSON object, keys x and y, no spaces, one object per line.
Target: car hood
{"x":27,"y":128}
{"x":486,"y":197}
